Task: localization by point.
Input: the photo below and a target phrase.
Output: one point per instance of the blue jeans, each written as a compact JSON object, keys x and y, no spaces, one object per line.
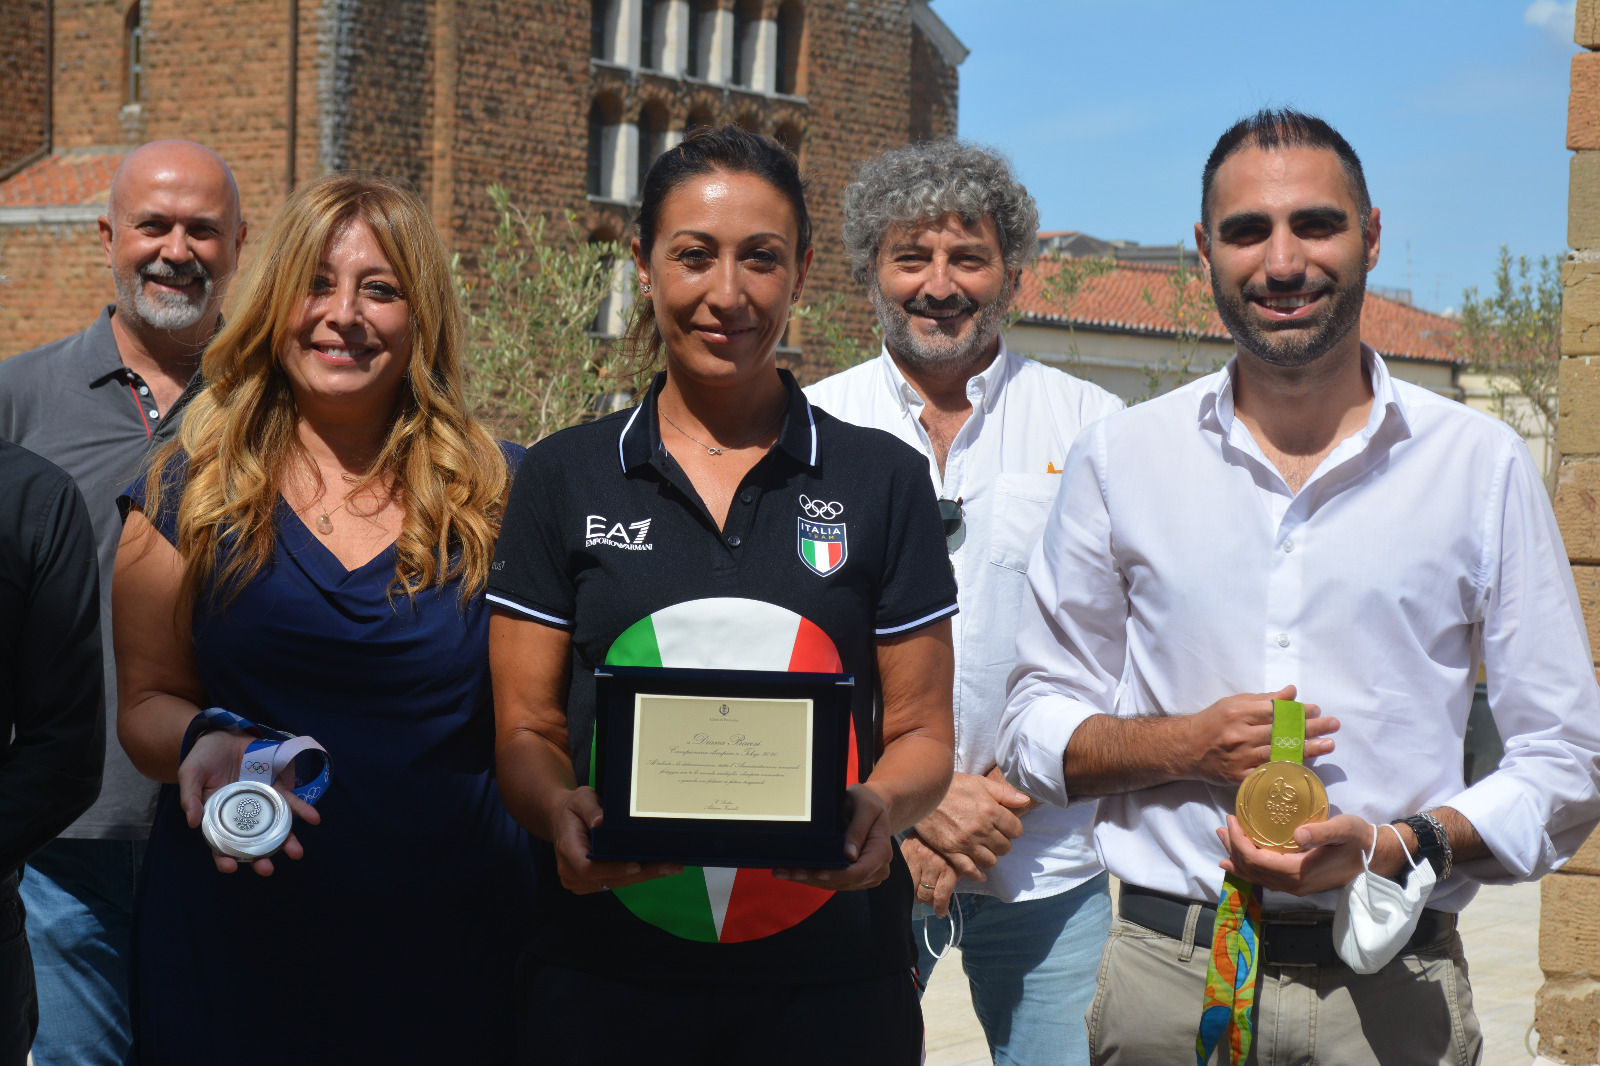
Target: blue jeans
{"x":79,"y":895}
{"x":1031,"y":966}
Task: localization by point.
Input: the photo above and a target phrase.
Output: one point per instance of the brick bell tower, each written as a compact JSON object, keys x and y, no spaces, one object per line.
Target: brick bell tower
{"x":563,"y":102}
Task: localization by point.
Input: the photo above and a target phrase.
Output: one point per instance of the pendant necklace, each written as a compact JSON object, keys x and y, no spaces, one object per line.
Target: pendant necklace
{"x":324,"y":520}
{"x":710,"y":450}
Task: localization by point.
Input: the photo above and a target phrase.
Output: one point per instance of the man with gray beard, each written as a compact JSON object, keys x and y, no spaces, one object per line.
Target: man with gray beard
{"x":95,"y":404}
{"x":940,"y":234}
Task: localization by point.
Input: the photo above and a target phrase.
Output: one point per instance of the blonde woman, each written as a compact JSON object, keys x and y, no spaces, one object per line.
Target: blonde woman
{"x":310,"y":556}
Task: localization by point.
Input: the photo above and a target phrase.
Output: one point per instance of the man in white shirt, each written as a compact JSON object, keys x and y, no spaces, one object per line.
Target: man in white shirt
{"x":940,"y":234}
{"x":1300,"y":525}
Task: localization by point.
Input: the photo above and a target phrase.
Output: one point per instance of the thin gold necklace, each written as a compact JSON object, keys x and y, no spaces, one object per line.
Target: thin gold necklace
{"x":324,"y":521}
{"x":718,"y":451}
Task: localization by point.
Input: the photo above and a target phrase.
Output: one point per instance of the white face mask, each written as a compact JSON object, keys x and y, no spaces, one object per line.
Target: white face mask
{"x":1375,"y":916}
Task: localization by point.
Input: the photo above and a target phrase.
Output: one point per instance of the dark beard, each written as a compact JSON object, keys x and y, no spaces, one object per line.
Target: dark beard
{"x":944,"y":353}
{"x":1304,"y":343}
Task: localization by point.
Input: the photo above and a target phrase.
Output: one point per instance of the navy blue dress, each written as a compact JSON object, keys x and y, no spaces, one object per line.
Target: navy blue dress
{"x":394,"y":939}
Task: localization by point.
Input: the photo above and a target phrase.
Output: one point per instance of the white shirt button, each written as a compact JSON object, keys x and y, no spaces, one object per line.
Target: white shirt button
{"x":1283,"y":640}
{"x":144,"y":390}
{"x":1288,"y":544}
{"x":154,"y":413}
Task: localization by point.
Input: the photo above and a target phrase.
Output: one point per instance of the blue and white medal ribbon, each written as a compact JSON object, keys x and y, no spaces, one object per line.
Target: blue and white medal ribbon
{"x":249,"y":818}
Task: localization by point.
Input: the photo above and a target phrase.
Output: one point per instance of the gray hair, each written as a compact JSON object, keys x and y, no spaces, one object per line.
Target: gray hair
{"x":921,"y":182}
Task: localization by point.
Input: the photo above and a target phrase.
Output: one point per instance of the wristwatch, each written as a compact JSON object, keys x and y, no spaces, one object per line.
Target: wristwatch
{"x":1433,"y":843}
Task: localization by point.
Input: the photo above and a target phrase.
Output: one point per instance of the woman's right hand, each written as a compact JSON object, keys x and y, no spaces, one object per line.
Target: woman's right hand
{"x":578,"y":812}
{"x":213,"y":762}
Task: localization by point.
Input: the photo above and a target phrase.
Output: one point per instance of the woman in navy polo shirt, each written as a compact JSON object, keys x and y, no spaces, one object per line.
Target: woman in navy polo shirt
{"x":722,"y":522}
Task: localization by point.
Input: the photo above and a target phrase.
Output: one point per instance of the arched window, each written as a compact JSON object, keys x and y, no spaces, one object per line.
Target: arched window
{"x":791,"y":26}
{"x":652,"y":140}
{"x":133,"y":54}
{"x":647,"y":36}
{"x":699,"y":118}
{"x":741,"y":49}
{"x":613,"y":148}
{"x":598,"y":46}
{"x":788,"y":135}
{"x":699,"y":22}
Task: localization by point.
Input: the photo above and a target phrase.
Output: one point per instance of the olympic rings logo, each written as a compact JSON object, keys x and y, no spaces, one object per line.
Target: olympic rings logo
{"x":1287,"y":742}
{"x":820,"y":508}
{"x":256,"y":766}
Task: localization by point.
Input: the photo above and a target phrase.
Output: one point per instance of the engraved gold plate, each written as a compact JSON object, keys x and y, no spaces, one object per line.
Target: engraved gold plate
{"x":1275,"y":800}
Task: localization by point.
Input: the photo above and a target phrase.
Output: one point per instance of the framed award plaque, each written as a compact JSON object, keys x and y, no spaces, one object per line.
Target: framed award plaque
{"x":721,"y":767}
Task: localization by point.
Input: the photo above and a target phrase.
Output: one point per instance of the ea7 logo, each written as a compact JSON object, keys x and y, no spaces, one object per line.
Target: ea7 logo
{"x":631,"y":537}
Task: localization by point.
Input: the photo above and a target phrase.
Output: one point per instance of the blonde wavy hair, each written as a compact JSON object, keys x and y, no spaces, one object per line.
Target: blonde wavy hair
{"x":239,"y":434}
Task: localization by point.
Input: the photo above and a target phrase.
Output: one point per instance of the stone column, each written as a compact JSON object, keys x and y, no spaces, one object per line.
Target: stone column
{"x":672,"y":37}
{"x":622,"y":32}
{"x":716,"y":46}
{"x":1567,"y":1008}
{"x":760,"y":56}
{"x":619,"y":161}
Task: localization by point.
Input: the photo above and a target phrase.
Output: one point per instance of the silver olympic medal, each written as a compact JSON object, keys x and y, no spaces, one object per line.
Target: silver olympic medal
{"x":246,"y":819}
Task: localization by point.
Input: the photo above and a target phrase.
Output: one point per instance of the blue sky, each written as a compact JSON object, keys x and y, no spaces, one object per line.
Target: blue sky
{"x":1458,"y":110}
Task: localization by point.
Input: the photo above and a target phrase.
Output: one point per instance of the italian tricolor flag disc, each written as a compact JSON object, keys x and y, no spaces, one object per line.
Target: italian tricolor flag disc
{"x":716,"y":904}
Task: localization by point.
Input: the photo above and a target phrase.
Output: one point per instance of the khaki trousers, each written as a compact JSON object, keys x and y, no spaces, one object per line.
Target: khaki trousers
{"x":1416,"y":1010}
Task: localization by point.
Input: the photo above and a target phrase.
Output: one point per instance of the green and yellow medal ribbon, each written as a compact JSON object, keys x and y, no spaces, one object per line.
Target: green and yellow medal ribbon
{"x":1236,"y":938}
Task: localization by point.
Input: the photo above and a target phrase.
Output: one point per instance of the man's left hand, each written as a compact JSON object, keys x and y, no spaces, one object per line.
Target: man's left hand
{"x":1330,"y":856}
{"x":931,"y":874}
{"x":975,"y":823}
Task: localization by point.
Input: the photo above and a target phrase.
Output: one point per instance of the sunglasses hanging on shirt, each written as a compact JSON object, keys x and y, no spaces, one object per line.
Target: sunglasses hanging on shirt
{"x":954,"y":519}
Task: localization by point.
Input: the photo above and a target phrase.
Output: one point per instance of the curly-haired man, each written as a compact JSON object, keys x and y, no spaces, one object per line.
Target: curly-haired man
{"x":939,"y":233}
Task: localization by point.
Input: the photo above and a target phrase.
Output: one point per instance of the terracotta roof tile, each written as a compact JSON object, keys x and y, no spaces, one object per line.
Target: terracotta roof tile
{"x":61,"y":181}
{"x":1116,"y":301}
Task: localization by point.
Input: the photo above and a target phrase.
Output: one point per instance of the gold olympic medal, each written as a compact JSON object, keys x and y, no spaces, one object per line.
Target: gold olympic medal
{"x":1275,"y":800}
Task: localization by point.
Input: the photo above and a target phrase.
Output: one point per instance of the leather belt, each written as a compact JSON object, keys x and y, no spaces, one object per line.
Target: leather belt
{"x":1288,"y":939}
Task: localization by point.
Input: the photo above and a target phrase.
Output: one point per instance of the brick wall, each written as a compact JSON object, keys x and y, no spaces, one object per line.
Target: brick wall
{"x":65,"y":265}
{"x":1567,"y":1009}
{"x":933,"y":91}
{"x":860,"y":91}
{"x":24,"y":73}
{"x":89,"y":87}
{"x":519,"y":113}
{"x":453,"y":97}
{"x":375,"y":93}
{"x":218,"y":74}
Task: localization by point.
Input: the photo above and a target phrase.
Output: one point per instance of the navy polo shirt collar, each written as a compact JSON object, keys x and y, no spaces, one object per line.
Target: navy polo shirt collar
{"x":641,"y":437}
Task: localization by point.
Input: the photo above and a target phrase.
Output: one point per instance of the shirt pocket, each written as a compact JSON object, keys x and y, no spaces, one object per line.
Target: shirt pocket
{"x":1022,"y":502}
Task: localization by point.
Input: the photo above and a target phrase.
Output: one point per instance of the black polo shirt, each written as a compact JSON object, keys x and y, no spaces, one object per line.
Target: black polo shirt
{"x":52,"y":706}
{"x":837,"y":524}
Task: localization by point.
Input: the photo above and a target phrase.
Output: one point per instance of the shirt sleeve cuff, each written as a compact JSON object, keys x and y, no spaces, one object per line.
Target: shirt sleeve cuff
{"x":926,"y":618}
{"x":1033,"y":744}
{"x":547,"y":617}
{"x":1501,"y":812}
